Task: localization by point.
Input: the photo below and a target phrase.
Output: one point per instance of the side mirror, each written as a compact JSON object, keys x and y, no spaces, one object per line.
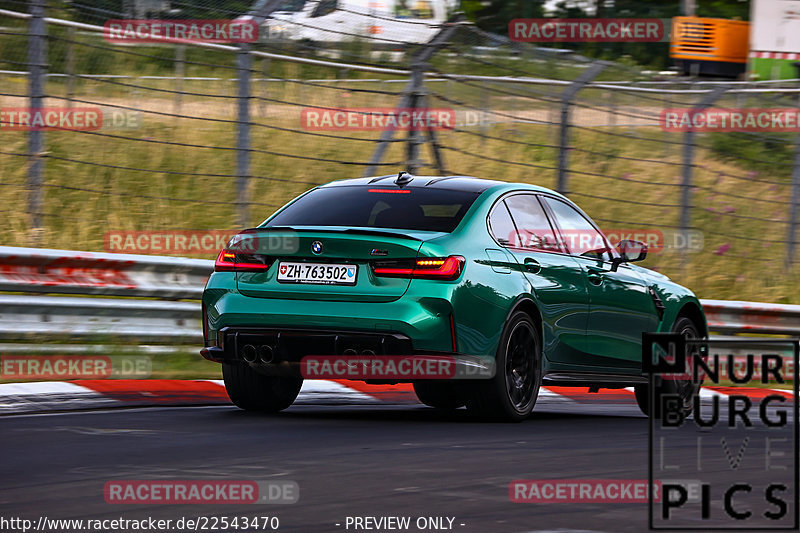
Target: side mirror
{"x":630,"y":252}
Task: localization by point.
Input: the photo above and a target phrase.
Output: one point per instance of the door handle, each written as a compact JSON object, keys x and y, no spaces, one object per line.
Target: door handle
{"x":595,"y":275}
{"x":532,"y":266}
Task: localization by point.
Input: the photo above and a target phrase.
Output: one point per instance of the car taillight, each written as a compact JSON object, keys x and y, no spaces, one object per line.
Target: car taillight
{"x":230,"y":261}
{"x":442,"y":268}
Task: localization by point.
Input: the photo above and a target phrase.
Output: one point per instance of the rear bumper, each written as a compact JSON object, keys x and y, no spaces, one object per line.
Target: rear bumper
{"x":421,"y":322}
{"x":279,"y":345}
{"x":426,"y":320}
{"x":281,"y":351}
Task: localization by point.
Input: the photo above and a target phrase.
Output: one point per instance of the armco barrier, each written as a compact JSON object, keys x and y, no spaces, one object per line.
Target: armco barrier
{"x":70,"y":272}
{"x":24,"y":317}
{"x":166,"y":279}
{"x":147,"y":321}
{"x":730,"y":317}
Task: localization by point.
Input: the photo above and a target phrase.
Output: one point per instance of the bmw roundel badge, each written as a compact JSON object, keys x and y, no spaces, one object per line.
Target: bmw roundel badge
{"x":316,"y":247}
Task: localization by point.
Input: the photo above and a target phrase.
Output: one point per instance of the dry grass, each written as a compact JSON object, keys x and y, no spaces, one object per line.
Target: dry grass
{"x":625,"y":177}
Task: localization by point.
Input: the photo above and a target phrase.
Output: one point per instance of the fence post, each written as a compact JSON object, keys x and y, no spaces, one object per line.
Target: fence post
{"x":612,"y":104}
{"x":265,"y":63}
{"x":688,"y":158}
{"x":790,"y":233}
{"x":386,"y":136}
{"x":417,"y":97}
{"x":484,"y":117}
{"x":566,"y":102}
{"x":180,"y":70}
{"x":243,"y":62}
{"x":412,"y":96}
{"x":792,"y":228}
{"x":37,"y":58}
{"x":665,"y":146}
{"x":70,"y":65}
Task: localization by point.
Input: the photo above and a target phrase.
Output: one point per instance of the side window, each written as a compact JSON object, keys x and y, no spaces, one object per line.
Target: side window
{"x":578,"y":234}
{"x":535,"y":232}
{"x":501,"y":226}
{"x":325,"y":7}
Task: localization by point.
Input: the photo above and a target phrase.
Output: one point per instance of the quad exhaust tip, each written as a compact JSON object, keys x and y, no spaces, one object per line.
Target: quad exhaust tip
{"x":355,"y":351}
{"x":265,"y":354}
{"x":249,"y":353}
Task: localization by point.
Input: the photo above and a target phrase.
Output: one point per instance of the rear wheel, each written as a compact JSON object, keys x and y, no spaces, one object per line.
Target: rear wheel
{"x":439,"y":395}
{"x":512,"y":392}
{"x":685,"y":389}
{"x":252,"y":391}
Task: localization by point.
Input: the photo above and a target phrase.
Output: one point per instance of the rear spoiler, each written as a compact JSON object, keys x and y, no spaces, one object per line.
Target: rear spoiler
{"x":355,"y":231}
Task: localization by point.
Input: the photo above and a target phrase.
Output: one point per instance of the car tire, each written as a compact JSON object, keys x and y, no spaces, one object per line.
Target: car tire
{"x":438,"y":395}
{"x":685,"y":389}
{"x":252,"y":391}
{"x":511,"y":393}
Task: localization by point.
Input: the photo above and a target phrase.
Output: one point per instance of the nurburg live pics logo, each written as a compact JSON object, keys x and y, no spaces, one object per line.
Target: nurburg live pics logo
{"x":737,"y":453}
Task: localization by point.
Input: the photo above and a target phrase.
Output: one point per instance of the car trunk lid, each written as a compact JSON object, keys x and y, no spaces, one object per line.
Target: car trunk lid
{"x":354,"y":248}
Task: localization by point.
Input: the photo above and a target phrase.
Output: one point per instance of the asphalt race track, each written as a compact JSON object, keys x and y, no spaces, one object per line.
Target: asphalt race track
{"x":367,"y":460}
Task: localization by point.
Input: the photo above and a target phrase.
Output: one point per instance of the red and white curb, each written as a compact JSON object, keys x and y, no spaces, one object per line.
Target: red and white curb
{"x":775,"y":55}
{"x":47,"y":396}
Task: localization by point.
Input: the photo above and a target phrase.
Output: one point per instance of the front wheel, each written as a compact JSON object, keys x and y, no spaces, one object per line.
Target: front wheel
{"x":686,"y":389}
{"x":252,"y":391}
{"x":512,"y":392}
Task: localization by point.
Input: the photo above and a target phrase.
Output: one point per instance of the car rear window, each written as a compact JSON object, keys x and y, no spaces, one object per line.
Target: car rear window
{"x":413,"y":208}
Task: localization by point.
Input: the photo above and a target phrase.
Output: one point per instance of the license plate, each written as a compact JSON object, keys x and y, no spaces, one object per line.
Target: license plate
{"x":319,"y":273}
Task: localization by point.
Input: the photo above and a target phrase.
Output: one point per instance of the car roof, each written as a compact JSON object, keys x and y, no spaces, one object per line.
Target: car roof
{"x":457,"y":183}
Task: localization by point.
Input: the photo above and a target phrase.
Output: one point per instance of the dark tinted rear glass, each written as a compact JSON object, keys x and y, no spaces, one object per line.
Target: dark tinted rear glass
{"x":374,"y":207}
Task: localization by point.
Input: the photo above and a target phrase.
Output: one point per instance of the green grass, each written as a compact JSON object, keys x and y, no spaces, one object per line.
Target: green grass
{"x":127,"y":362}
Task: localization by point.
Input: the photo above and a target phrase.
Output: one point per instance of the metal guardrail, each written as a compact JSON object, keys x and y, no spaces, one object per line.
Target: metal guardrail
{"x":732,"y":317}
{"x":165,"y":320}
{"x":161,"y":320}
{"x":27,"y":317}
{"x":70,"y":272}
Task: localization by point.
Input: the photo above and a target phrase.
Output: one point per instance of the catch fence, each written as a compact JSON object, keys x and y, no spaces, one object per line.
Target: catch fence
{"x":203,"y":136}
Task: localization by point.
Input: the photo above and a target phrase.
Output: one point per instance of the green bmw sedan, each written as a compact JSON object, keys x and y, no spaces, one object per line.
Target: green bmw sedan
{"x":496,"y":287}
